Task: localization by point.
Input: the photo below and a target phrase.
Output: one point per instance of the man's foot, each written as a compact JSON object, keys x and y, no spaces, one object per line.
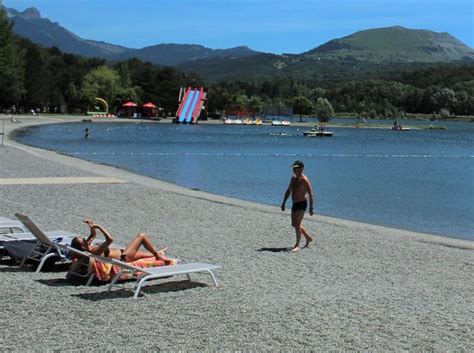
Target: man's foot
{"x":308,"y":241}
{"x":295,"y":249}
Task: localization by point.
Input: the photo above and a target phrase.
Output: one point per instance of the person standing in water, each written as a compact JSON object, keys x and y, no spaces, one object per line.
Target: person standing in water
{"x":86,"y":133}
{"x":298,"y":188}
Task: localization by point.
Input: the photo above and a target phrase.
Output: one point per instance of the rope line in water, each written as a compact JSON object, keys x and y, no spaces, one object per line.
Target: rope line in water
{"x":159,"y":154}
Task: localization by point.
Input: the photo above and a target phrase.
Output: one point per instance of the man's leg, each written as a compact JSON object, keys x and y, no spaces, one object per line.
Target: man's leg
{"x":296,"y":218}
{"x":308,"y":237}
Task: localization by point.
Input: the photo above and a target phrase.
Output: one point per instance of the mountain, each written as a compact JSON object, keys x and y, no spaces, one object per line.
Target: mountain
{"x":29,"y":24}
{"x":395,"y":44}
{"x":380,"y":49}
{"x":175,"y":54}
{"x":373,"y":49}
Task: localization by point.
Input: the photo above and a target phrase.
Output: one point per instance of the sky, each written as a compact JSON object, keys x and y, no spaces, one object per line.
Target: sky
{"x":278,"y":26}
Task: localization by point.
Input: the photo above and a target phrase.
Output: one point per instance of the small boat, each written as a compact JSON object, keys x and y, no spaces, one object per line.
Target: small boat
{"x":249,"y":122}
{"x":285,"y":123}
{"x":276,"y":123}
{"x":317,"y":133}
{"x":238,"y":122}
{"x":400,"y":128}
{"x":228,"y":121}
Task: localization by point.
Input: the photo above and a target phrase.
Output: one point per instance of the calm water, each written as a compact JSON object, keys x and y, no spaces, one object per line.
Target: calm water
{"x":420,"y":180}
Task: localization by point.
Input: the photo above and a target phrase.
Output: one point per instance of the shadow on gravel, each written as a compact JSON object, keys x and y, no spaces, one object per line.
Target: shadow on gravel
{"x":60,"y":282}
{"x":13,"y":269}
{"x":275,"y":249}
{"x":128,"y":293}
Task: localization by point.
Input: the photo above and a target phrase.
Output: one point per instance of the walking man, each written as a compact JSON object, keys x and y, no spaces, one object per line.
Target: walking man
{"x":298,"y":188}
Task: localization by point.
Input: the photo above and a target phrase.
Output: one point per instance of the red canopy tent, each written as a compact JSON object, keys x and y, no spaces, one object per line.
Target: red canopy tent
{"x":149,"y":109}
{"x":129,"y":105}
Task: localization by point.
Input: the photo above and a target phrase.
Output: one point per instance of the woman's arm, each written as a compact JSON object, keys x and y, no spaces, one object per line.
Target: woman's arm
{"x":108,"y":237}
{"x":105,"y":245}
{"x":92,"y":233}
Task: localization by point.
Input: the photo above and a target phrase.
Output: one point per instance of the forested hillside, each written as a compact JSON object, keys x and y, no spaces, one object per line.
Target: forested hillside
{"x":35,"y":77}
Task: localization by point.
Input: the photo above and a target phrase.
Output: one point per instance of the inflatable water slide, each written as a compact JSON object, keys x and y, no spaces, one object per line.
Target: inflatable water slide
{"x":190,"y":106}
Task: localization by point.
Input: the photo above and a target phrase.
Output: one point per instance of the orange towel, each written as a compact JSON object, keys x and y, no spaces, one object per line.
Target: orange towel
{"x":105,"y":272}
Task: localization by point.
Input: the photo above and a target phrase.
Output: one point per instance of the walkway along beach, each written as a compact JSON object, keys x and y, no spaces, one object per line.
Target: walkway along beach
{"x":358,"y":287}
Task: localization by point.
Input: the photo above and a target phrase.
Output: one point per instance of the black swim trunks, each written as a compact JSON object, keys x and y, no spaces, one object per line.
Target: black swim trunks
{"x":122,"y":255}
{"x":299,"y":206}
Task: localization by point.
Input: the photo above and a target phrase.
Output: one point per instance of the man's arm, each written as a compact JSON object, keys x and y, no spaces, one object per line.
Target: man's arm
{"x":287,"y":193}
{"x":311,"y":196}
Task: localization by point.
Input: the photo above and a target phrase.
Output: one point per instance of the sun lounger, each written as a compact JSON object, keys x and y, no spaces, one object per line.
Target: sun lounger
{"x":45,"y":247}
{"x":147,"y":274}
{"x":6,"y":240}
{"x":81,"y":267}
{"x":89,"y":266}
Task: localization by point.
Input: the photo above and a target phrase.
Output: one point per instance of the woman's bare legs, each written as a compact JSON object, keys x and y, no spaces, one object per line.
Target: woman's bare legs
{"x":132,"y":252}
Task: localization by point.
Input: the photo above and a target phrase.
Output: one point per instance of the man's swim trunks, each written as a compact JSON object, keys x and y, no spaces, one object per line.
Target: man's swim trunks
{"x":299,"y":206}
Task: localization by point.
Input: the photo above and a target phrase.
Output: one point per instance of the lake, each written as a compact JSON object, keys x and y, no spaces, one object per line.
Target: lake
{"x":420,"y":180}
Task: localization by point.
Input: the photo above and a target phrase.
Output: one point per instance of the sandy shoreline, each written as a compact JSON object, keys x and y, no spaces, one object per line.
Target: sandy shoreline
{"x":359,"y":287}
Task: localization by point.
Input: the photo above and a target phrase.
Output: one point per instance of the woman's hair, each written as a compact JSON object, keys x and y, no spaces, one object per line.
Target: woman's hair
{"x":76,"y":243}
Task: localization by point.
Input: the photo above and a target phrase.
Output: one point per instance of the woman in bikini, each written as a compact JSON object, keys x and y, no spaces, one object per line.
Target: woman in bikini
{"x":129,"y":254}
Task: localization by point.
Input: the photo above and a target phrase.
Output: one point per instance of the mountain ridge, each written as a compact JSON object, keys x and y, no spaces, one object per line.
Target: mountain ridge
{"x":31,"y":25}
{"x":369,"y":47}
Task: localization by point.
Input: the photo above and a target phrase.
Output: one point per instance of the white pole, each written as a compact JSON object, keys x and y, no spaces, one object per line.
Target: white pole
{"x":3,"y":130}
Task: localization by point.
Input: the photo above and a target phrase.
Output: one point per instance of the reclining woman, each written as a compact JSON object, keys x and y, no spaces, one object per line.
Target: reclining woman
{"x":129,"y":254}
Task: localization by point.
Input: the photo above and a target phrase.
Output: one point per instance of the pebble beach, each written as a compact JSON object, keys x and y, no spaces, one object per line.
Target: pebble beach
{"x":358,"y":287}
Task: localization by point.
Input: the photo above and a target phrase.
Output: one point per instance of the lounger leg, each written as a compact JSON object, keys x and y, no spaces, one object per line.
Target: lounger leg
{"x":213,"y":278}
{"x":189,"y":277}
{"x":43,"y":260}
{"x":29,"y":254}
{"x":114,"y":279}
{"x":139,"y":287}
{"x":90,"y":279}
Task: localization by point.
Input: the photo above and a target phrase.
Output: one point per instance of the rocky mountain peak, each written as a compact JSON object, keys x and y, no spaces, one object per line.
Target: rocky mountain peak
{"x":31,"y":13}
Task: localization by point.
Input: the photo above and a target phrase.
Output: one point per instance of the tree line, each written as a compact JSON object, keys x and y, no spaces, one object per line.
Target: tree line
{"x":32,"y":77}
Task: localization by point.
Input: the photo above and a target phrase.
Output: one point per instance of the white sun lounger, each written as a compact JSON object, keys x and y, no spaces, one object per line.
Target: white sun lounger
{"x":82,"y":267}
{"x":55,"y":234}
{"x":150,"y":273}
{"x":45,"y":247}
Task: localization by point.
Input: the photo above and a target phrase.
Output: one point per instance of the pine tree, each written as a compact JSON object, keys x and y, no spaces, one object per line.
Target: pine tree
{"x":11,"y":65}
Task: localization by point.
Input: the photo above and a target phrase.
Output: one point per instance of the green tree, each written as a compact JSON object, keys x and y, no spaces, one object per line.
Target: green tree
{"x":241,"y":102}
{"x":302,"y":106}
{"x":444,"y":99}
{"x":102,"y":82}
{"x":11,"y":65}
{"x":324,"y":110}
{"x":255,"y":104}
{"x":36,"y":78}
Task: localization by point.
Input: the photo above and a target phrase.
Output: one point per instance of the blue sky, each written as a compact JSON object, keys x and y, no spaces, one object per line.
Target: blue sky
{"x":279,"y":26}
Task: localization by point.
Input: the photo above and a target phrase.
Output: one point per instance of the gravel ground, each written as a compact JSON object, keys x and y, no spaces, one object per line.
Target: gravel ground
{"x":358,"y":287}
